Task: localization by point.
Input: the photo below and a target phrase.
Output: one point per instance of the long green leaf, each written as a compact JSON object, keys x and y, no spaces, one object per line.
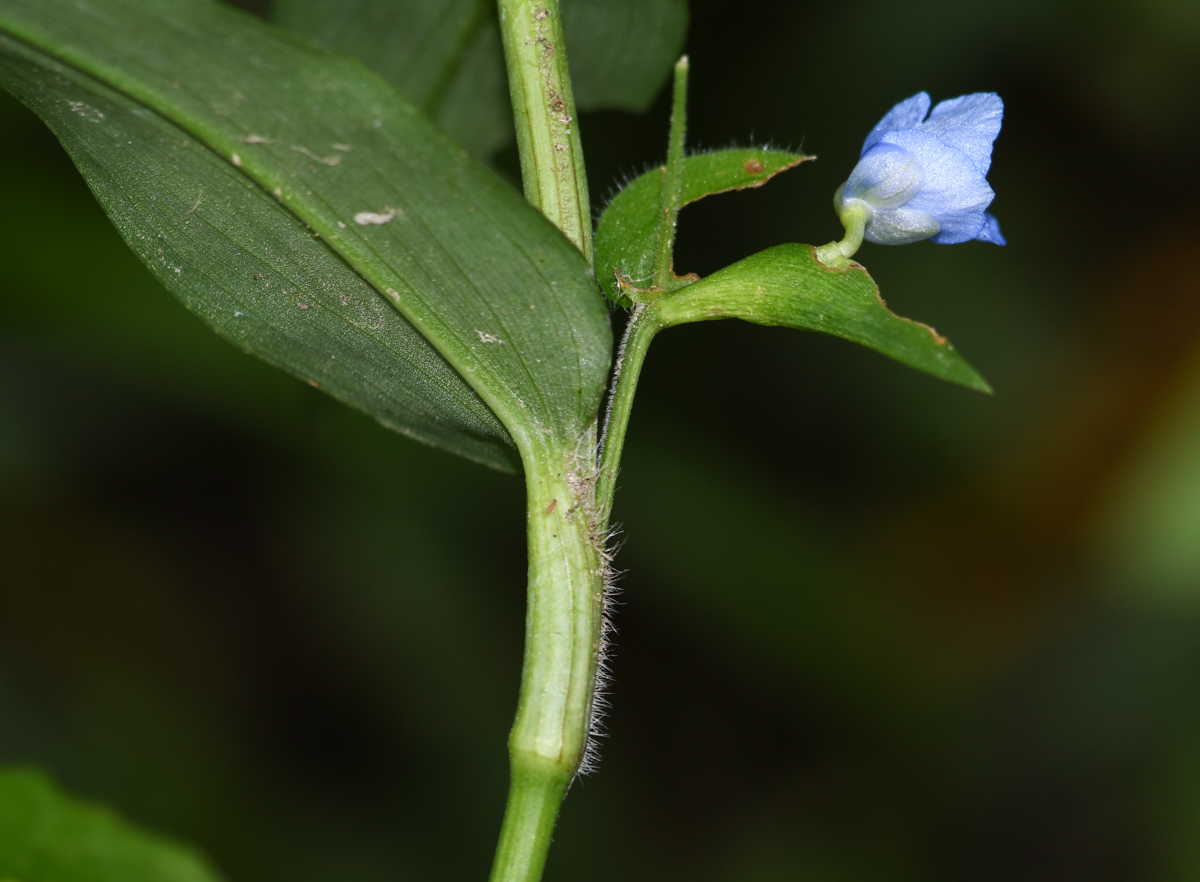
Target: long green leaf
{"x":787,"y":286}
{"x":249,"y":268}
{"x":484,"y":278}
{"x":47,"y":836}
{"x":626,"y":236}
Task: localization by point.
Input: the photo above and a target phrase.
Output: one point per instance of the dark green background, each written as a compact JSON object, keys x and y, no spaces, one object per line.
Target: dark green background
{"x":873,"y":627}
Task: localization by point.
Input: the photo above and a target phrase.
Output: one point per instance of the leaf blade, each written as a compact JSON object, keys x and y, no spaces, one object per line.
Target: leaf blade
{"x":283,"y":296}
{"x":491,"y":284}
{"x":787,"y":286}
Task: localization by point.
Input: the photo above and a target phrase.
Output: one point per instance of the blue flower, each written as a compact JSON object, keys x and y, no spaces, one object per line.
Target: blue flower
{"x":922,"y":175}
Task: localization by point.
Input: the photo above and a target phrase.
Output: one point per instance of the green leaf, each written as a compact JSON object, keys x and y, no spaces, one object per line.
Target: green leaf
{"x":786,"y":286}
{"x":474,"y":109}
{"x":249,"y":268}
{"x":445,"y":55}
{"x":621,"y":51}
{"x":442,"y":55}
{"x":47,"y":836}
{"x":627,"y":234}
{"x":496,"y":290}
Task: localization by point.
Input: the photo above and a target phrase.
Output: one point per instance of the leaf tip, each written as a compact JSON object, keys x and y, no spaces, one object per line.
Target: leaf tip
{"x":979,"y":384}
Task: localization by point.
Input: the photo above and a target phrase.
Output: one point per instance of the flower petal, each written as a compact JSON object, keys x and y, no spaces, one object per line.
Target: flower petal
{"x":955,"y":191}
{"x":905,"y":115}
{"x":900,"y":226}
{"x":887,"y":176}
{"x":991,"y":230}
{"x":970,"y":123}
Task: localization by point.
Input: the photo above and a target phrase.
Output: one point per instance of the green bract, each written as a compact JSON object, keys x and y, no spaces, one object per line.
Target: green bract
{"x":627,"y":234}
{"x":788,"y":286}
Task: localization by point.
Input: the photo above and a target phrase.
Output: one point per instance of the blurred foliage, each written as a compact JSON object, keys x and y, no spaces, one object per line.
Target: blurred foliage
{"x":874,"y":627}
{"x":45,"y":834}
{"x":445,"y":56}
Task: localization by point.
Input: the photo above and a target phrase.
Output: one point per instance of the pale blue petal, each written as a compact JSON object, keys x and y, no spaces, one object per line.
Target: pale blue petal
{"x":886,"y":177}
{"x":991,"y":231}
{"x":970,"y":123}
{"x":959,"y":228}
{"x":900,"y":226}
{"x":923,"y":175}
{"x":955,"y":191}
{"x":905,"y":115}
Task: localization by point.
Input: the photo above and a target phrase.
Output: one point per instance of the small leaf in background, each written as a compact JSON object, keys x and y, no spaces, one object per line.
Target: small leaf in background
{"x":442,"y":55}
{"x":47,"y":836}
{"x":252,"y":271}
{"x":787,"y":286}
{"x":416,"y":45}
{"x":445,"y":55}
{"x":474,"y":109}
{"x":627,"y":234}
{"x":621,"y":51}
{"x":1149,"y":537}
{"x":498,"y":291}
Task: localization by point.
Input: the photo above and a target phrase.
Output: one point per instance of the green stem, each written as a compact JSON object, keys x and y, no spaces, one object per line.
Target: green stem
{"x":640,"y":331}
{"x":529,"y":817}
{"x":552,"y":169}
{"x":563,"y":620}
{"x":562,"y":646}
{"x":672,"y":184}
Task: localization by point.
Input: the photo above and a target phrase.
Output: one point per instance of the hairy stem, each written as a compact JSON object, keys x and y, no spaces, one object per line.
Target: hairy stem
{"x":562,"y":646}
{"x":563,"y":619}
{"x":552,"y":169}
{"x":642,"y":327}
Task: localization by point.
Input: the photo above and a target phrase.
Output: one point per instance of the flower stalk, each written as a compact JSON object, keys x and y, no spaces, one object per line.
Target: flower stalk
{"x":854,"y":218}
